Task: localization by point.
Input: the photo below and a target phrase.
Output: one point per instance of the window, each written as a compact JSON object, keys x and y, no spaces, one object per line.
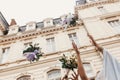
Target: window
{"x":88,"y":69}
{"x":27,"y":77}
{"x":89,"y":1}
{"x":115,"y":24}
{"x":13,"y":29}
{"x":26,"y":45}
{"x":48,"y":22}
{"x":80,"y":2}
{"x":30,"y":25}
{"x":73,"y":37}
{"x":57,"y":21}
{"x":40,"y":25}
{"x":102,"y":10}
{"x":54,"y":75}
{"x":5,"y":52}
{"x":22,"y":29}
{"x":50,"y":44}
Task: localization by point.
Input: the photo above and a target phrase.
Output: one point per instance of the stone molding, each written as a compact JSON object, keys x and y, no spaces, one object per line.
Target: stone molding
{"x":87,"y":5}
{"x":25,"y":35}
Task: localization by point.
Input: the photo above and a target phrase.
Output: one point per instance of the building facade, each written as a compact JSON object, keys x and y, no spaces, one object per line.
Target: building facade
{"x":99,"y":18}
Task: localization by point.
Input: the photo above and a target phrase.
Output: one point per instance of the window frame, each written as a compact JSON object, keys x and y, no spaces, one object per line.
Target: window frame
{"x":74,"y":38}
{"x":26,"y":45}
{"x":50,"y":45}
{"x":102,"y":9}
{"x":54,"y":77}
{"x":92,"y":67}
{"x":4,"y":54}
{"x":23,"y":77}
{"x":115,"y":26}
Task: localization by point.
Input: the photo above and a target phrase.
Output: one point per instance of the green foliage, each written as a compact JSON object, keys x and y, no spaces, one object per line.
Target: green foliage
{"x":34,"y":53}
{"x":38,"y":56}
{"x":68,"y":63}
{"x":31,"y":49}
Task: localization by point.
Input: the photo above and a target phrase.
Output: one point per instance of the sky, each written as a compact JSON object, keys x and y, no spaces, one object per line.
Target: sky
{"x":24,"y":11}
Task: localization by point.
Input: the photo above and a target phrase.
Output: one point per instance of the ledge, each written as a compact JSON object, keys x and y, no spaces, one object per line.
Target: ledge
{"x":28,"y":65}
{"x":33,"y":34}
{"x":110,"y":15}
{"x":87,"y":5}
{"x":83,"y":51}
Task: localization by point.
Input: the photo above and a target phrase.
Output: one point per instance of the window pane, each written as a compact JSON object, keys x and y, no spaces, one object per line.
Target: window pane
{"x":73,"y":37}
{"x":88,"y":69}
{"x":50,"y":45}
{"x":26,"y":45}
{"x":5,"y":52}
{"x":102,"y":9}
{"x":24,"y":78}
{"x":115,"y":24}
{"x":54,"y":75}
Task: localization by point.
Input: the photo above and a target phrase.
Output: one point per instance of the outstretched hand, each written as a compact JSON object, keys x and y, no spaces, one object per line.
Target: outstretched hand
{"x":74,"y":76}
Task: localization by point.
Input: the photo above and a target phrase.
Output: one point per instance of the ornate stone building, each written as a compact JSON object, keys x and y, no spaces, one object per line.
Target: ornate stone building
{"x":100,"y":18}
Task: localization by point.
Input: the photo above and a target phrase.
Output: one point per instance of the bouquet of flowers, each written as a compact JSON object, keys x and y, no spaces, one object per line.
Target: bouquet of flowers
{"x":32,"y":53}
{"x":68,"y":62}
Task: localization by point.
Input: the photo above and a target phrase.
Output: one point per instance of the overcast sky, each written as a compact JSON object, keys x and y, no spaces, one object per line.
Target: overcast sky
{"x":35,"y":10}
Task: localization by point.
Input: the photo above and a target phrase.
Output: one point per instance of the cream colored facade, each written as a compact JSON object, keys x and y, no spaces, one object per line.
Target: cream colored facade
{"x":101,"y":19}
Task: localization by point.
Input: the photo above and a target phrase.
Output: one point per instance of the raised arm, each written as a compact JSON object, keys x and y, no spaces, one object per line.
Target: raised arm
{"x":94,"y":43}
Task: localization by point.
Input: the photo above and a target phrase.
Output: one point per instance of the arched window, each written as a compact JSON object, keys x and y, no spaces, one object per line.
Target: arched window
{"x":25,"y":77}
{"x":54,"y":74}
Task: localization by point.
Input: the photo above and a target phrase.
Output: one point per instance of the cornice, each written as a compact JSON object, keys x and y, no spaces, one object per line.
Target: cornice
{"x":87,"y":5}
{"x":29,"y":65}
{"x":35,"y":33}
{"x":110,"y":42}
{"x":110,"y":15}
{"x":110,"y":37}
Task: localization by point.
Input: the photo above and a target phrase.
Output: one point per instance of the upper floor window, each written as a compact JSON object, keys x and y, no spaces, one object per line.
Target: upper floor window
{"x":80,"y":2}
{"x":30,"y":25}
{"x":50,"y":44}
{"x":102,"y":9}
{"x":13,"y":29}
{"x":26,"y":77}
{"x":89,"y":69}
{"x":57,"y":21}
{"x":115,"y":24}
{"x":40,"y":25}
{"x":73,"y":37}
{"x":26,"y":45}
{"x":89,"y":1}
{"x":5,"y":52}
{"x":54,"y":75}
{"x":48,"y":22}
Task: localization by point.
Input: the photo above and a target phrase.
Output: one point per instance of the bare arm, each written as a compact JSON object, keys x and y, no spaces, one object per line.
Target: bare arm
{"x":94,"y":43}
